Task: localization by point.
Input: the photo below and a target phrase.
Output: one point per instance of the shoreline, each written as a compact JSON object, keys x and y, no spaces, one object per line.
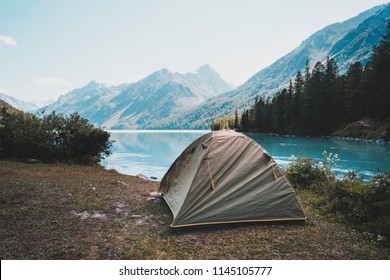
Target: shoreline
{"x":344,"y":138}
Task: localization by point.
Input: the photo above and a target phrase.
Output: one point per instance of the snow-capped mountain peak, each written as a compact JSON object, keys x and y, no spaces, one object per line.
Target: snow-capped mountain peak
{"x":18,"y":104}
{"x":143,"y":103}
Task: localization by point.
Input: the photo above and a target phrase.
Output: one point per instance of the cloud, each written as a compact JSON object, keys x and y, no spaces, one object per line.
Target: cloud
{"x":53,"y":81}
{"x":8,"y":40}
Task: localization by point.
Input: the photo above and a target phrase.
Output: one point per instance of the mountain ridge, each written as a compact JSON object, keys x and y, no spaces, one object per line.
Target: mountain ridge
{"x":131,"y":106}
{"x":369,"y":25}
{"x":18,"y":104}
{"x":168,"y":100}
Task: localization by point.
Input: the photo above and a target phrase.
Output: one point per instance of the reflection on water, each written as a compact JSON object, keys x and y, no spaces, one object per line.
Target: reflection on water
{"x":152,"y":152}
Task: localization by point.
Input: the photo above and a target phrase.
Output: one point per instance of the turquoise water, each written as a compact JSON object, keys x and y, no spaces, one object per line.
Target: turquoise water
{"x":151,"y":153}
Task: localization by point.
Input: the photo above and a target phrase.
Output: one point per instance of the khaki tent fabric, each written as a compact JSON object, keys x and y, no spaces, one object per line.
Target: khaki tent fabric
{"x":226,"y":177}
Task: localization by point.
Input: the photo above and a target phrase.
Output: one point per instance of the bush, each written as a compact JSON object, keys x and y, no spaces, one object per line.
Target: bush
{"x":54,"y":137}
{"x":367,"y":205}
{"x":306,"y":174}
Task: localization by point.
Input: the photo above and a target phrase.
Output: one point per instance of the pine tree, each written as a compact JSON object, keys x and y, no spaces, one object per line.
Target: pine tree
{"x":288,"y":107}
{"x":352,"y":93}
{"x":307,"y":72}
{"x":297,"y":104}
{"x":381,"y":74}
{"x":368,"y":101}
{"x":313,"y":101}
{"x":276,"y":112}
{"x":244,"y":121}
{"x":329,"y":107}
{"x":259,"y":107}
{"x":236,"y":121}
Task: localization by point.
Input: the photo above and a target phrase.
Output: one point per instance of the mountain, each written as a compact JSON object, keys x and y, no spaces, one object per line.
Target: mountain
{"x":86,"y":100}
{"x":144,"y":103}
{"x":347,"y":42}
{"x":42,"y":103}
{"x":18,"y":104}
{"x":206,"y":78}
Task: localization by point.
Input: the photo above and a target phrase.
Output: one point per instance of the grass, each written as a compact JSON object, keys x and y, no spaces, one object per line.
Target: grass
{"x":61,"y":211}
{"x":366,"y":129}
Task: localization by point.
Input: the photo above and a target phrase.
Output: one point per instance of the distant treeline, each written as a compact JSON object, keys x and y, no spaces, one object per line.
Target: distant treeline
{"x":320,"y":101}
{"x":51,"y":138}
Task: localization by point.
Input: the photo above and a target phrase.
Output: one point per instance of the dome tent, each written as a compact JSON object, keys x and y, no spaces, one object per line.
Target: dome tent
{"x":226,"y":177}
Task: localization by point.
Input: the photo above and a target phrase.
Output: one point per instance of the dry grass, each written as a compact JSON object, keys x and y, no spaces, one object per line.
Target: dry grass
{"x":63,"y":211}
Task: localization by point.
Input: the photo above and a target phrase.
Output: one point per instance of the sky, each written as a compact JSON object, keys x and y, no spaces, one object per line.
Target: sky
{"x":49,"y":47}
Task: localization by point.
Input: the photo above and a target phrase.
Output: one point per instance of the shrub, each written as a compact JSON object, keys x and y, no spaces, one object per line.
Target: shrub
{"x":367,"y":205}
{"x":54,"y":137}
{"x":304,"y":173}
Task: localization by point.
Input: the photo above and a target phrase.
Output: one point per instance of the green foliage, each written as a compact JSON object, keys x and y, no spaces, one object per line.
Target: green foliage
{"x":305,"y":173}
{"x":54,"y":137}
{"x":367,"y":205}
{"x":229,"y":122}
{"x":378,"y":87}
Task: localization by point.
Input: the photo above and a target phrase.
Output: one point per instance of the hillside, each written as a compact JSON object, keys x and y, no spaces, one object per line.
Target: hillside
{"x":366,"y":128}
{"x":9,"y":108}
{"x":18,"y":104}
{"x":348,"y":41}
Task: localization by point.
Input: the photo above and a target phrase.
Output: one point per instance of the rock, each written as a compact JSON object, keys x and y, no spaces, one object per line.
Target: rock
{"x":120,"y":204}
{"x":82,"y":215}
{"x":85,"y":215}
{"x":120,"y":207}
{"x":98,"y":215}
{"x":155,"y":194}
{"x":123,"y":183}
{"x":142,"y":176}
{"x":112,"y":170}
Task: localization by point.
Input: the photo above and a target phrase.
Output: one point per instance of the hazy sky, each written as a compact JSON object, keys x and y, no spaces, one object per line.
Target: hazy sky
{"x":49,"y":47}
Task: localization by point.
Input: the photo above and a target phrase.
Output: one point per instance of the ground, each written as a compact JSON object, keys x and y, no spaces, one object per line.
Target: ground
{"x":60,"y":211}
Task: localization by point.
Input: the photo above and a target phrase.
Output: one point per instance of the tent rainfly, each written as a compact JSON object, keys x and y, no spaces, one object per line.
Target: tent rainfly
{"x":226,"y":177}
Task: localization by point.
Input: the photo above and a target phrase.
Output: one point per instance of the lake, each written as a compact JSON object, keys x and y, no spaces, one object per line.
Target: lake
{"x":151,"y":153}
